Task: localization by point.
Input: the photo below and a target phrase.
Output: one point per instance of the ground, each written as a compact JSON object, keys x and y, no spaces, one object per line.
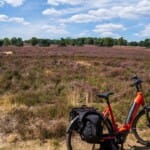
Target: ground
{"x":40,"y":85}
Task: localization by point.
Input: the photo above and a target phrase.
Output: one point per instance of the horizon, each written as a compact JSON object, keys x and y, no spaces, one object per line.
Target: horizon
{"x":55,"y":19}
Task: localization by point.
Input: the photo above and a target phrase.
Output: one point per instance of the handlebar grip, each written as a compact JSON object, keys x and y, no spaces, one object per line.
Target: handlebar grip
{"x":137,"y":80}
{"x":135,"y":77}
{"x":137,"y":84}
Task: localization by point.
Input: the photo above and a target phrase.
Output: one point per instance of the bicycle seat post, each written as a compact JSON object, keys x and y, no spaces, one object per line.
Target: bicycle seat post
{"x":107,"y":101}
{"x":106,"y":97}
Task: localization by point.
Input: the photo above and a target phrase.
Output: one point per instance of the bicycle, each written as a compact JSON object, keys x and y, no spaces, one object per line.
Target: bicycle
{"x":138,"y":121}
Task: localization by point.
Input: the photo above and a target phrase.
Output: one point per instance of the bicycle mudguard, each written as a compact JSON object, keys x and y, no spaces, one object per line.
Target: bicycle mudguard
{"x":148,"y":117}
{"x":142,"y":111}
{"x":72,"y":123}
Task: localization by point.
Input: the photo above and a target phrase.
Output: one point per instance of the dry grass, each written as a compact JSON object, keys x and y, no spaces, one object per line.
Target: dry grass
{"x":52,"y":144}
{"x":39,"y":86}
{"x":59,"y":144}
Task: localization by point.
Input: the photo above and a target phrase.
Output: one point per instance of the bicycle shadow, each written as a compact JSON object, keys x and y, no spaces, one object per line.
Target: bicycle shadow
{"x":140,"y":148}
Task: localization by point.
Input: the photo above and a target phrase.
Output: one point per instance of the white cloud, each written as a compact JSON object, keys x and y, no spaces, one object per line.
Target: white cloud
{"x":86,"y":4}
{"x":127,"y":12}
{"x":108,"y":29}
{"x":26,"y":32}
{"x":51,"y":11}
{"x":103,"y":13}
{"x":97,"y":3}
{"x":132,"y":11}
{"x":5,"y":18}
{"x":143,"y":7}
{"x":53,"y":2}
{"x":1,"y":3}
{"x":145,"y":32}
{"x":79,"y":18}
{"x":83,"y":34}
{"x":18,"y":20}
{"x":60,"y":12}
{"x":91,"y":16}
{"x":78,"y":6}
{"x":34,"y":30}
{"x":70,"y":2}
{"x":109,"y":34}
{"x":14,"y":3}
{"x":55,"y":30}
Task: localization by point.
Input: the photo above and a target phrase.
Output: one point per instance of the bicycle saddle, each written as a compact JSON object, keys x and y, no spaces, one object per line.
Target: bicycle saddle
{"x":105,"y":95}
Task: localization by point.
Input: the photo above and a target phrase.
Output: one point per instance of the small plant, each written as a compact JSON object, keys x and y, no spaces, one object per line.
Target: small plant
{"x":55,"y":144}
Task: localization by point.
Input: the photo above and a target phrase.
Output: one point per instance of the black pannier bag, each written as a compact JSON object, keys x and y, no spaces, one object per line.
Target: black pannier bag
{"x":89,"y":124}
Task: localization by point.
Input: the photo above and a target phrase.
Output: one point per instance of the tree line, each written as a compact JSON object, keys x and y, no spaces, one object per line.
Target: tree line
{"x":107,"y":41}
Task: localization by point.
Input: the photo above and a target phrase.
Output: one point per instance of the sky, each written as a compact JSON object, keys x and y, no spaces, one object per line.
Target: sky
{"x":54,"y":19}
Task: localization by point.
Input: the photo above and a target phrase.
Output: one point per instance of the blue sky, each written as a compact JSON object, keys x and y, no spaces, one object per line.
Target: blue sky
{"x":75,"y":18}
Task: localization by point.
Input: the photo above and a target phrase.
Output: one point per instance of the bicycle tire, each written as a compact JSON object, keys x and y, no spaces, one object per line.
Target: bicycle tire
{"x":141,"y":127}
{"x":73,"y":136}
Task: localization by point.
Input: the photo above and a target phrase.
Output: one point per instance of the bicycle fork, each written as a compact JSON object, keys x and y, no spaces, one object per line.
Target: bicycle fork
{"x":147,"y":116}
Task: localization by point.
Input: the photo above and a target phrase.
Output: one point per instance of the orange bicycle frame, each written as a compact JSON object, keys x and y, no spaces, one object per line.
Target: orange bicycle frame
{"x":138,"y":101}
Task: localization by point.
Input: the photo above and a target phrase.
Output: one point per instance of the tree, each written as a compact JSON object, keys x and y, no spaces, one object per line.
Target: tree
{"x":1,"y":42}
{"x":89,"y":40}
{"x":68,"y":41}
{"x":34,"y":41}
{"x":133,"y":43}
{"x":19,"y":42}
{"x":147,"y":42}
{"x":80,"y":41}
{"x":62,"y":42}
{"x":44,"y":42}
{"x":14,"y":41}
{"x":141,"y":43}
{"x":96,"y":42}
{"x":121,"y":41}
{"x":6,"y":42}
{"x":73,"y":42}
{"x":108,"y":42}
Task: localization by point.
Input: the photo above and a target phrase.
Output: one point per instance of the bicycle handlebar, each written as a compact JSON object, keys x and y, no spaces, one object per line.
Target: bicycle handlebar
{"x":137,"y":83}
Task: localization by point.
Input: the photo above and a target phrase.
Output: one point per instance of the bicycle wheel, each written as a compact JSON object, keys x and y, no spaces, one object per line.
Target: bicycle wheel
{"x":141,"y":127}
{"x":74,"y":141}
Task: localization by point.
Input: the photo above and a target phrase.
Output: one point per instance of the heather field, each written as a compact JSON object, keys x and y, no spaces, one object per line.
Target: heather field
{"x":84,"y":51}
{"x":40,"y":85}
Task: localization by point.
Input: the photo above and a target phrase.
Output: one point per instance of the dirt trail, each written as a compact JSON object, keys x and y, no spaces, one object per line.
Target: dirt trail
{"x":54,"y":144}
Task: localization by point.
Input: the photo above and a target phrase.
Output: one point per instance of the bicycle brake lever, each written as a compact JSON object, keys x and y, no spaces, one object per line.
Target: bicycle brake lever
{"x":135,"y":77}
{"x":137,"y":84}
